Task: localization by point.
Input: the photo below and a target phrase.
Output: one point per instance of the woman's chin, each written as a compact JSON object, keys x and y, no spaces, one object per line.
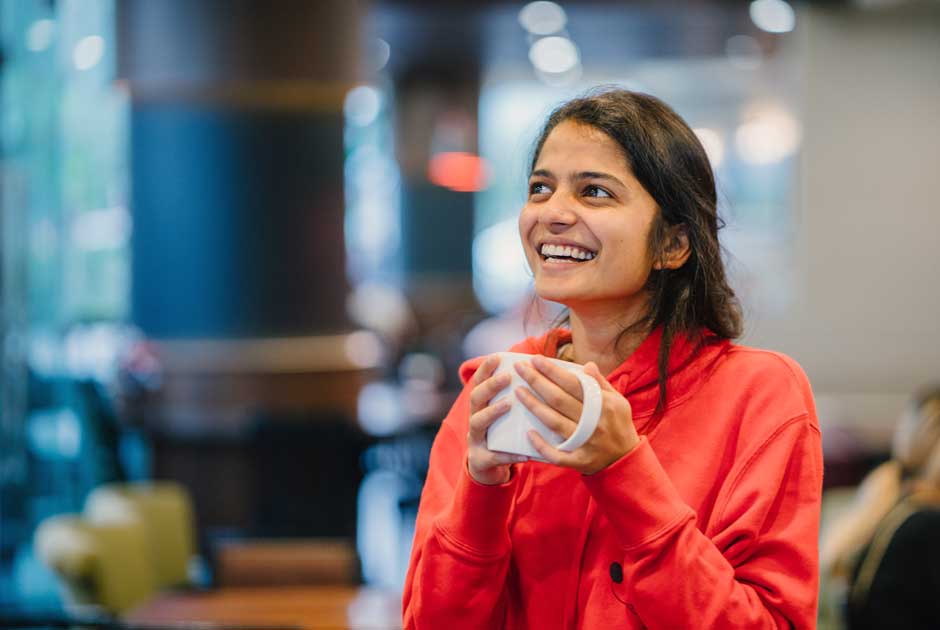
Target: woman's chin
{"x":559,"y":295}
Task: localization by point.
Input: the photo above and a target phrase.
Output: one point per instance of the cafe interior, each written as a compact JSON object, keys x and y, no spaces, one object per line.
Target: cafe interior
{"x":246,"y":245}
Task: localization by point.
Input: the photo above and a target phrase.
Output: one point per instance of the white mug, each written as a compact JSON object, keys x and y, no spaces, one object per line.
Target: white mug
{"x":509,"y":433}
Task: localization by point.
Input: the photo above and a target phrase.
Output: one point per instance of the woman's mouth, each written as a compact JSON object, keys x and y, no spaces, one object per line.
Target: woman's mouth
{"x":566,"y":253}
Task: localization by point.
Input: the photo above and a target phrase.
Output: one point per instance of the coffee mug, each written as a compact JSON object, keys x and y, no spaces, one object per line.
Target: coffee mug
{"x":509,"y":433}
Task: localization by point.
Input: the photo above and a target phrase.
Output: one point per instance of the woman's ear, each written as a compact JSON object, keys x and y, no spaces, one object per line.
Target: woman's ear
{"x":677,"y":249}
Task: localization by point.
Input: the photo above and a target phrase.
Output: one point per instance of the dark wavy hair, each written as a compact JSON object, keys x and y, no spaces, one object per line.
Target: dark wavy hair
{"x":667,"y":158}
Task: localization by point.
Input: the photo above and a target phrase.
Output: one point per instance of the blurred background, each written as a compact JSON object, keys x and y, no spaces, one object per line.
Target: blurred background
{"x":245,"y":245}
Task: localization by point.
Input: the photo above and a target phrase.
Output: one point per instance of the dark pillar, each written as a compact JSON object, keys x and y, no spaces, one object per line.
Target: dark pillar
{"x":237,"y":164}
{"x":239,"y":275}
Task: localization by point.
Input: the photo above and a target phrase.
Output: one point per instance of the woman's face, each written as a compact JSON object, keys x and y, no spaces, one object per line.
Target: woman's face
{"x":586,"y":223}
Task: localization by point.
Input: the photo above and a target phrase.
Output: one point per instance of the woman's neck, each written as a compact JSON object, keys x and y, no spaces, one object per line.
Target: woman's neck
{"x":598,"y":335}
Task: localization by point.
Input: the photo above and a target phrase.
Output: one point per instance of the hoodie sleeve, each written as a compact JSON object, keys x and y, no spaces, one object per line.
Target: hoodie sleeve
{"x":754,"y":567}
{"x":461,"y":551}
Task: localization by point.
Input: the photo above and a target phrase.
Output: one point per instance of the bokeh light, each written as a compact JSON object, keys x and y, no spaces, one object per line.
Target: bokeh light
{"x":40,"y":34}
{"x":773,"y":16}
{"x":542,"y":18}
{"x":362,"y":105}
{"x":364,"y":349}
{"x":458,"y":171}
{"x":88,"y":52}
{"x":768,"y":134}
{"x":554,"y":55}
{"x":501,"y":277}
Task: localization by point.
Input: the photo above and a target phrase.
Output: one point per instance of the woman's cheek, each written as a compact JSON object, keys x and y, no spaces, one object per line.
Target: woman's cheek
{"x":526,"y":221}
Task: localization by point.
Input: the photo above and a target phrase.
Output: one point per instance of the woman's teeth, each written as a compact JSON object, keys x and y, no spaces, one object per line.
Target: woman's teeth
{"x":563,"y":252}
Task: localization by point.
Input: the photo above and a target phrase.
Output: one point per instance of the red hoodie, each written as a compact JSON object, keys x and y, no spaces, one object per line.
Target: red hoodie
{"x":710,"y":522}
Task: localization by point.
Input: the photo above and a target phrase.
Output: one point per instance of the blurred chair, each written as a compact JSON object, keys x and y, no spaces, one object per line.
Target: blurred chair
{"x":131,"y":541}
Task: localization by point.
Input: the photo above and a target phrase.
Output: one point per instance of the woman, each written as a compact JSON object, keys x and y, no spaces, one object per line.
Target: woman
{"x":883,"y":551}
{"x":695,"y":503}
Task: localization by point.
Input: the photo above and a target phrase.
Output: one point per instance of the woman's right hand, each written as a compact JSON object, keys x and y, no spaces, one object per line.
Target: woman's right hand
{"x":486,"y":466}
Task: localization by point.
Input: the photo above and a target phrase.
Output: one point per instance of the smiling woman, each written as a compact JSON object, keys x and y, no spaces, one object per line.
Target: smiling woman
{"x":659,"y":175}
{"x":582,"y":194}
{"x":695,"y":502}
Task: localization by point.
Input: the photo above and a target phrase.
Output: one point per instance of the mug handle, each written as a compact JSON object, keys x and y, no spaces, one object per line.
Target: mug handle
{"x":592,"y":401}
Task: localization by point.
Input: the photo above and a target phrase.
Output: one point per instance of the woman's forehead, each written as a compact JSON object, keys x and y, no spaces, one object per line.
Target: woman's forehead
{"x":581,"y":147}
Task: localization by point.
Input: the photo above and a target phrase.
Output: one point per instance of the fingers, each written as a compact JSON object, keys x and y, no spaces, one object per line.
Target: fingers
{"x":489,"y":459}
{"x":481,"y":420}
{"x":563,"y":378}
{"x":558,"y":387}
{"x":560,"y":424}
{"x":551,"y":454}
{"x":485,"y":370}
{"x":490,"y":467}
{"x":482,"y":394}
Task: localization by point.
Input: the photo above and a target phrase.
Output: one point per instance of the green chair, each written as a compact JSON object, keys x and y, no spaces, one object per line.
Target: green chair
{"x":131,"y":541}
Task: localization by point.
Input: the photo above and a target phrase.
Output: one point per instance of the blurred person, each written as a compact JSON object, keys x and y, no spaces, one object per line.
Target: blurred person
{"x":885,"y":549}
{"x":695,"y":503}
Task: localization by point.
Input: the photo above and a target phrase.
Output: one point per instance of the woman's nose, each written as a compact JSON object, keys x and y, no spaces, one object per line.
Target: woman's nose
{"x":557,"y":216}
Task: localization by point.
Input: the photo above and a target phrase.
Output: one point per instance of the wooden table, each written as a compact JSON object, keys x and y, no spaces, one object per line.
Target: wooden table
{"x":302,"y":607}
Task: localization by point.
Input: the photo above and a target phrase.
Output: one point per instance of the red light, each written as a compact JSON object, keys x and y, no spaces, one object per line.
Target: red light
{"x":462,"y":172}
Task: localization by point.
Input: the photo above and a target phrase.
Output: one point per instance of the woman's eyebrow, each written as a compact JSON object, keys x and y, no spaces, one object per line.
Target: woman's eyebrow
{"x":598,"y":175}
{"x":541,"y":172}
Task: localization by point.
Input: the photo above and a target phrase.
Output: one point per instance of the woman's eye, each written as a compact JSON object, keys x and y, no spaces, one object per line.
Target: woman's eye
{"x":596,"y":191}
{"x":538,"y":188}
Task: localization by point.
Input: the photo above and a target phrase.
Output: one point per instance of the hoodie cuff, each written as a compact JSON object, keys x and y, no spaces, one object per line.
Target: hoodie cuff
{"x":637,"y":497}
{"x":478,"y":518}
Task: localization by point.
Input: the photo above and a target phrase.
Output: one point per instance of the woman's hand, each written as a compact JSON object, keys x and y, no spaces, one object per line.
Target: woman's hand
{"x":486,"y":466}
{"x":615,"y":435}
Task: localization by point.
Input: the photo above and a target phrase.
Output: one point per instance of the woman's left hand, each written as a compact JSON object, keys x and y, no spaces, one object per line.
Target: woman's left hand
{"x":615,"y":435}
